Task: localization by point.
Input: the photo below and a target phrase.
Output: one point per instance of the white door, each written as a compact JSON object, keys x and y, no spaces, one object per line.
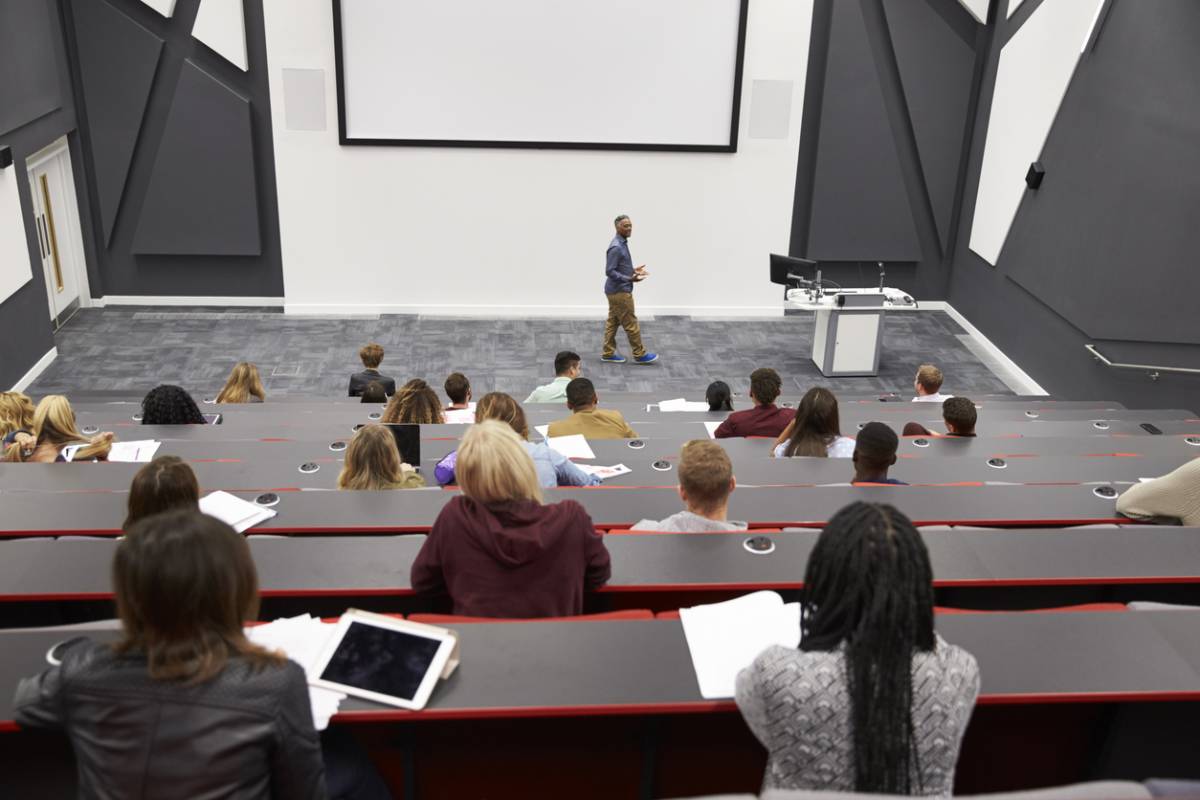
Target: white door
{"x":56,"y":216}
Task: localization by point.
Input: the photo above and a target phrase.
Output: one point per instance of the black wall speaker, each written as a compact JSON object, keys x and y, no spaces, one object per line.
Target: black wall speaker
{"x":5,"y":157}
{"x":1033,"y":178}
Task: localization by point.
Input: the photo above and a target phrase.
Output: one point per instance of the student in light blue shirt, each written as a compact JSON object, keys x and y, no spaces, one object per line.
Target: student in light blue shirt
{"x":567,"y":367}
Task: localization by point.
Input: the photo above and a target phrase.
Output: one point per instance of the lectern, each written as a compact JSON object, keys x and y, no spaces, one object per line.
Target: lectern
{"x":848,"y":334}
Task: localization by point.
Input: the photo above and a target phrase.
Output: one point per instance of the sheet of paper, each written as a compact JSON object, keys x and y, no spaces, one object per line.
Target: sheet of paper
{"x":724,"y":638}
{"x":573,"y":446}
{"x":234,"y":511}
{"x":605,"y":472}
{"x":302,"y":639}
{"x":712,"y":428}
{"x":544,"y":430}
{"x":68,"y":452}
{"x":680,"y":404}
{"x":140,"y":451}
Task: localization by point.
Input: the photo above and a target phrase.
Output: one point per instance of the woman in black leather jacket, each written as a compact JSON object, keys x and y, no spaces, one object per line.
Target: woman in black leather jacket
{"x":183,"y":705}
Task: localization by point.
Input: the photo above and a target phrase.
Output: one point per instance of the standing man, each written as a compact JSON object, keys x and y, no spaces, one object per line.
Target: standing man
{"x":619,"y":289}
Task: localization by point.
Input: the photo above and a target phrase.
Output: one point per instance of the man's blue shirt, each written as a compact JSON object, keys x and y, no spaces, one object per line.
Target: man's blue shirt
{"x":618,"y":266}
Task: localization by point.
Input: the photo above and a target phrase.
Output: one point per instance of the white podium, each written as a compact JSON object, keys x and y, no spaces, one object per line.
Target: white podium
{"x":849,"y":327}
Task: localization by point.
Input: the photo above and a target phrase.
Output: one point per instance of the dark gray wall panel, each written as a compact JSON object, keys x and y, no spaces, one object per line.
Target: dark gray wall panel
{"x":937,"y":67}
{"x":1110,"y":239}
{"x":202,"y":198}
{"x":29,"y":80}
{"x":860,"y":207}
{"x":117,"y":60}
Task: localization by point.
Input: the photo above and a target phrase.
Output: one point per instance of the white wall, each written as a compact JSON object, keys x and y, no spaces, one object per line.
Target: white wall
{"x":497,"y":232}
{"x":16,"y":270}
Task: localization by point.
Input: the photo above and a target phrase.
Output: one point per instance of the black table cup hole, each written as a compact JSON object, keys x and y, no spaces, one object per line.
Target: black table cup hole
{"x":997,"y":463}
{"x":267,"y":499}
{"x":208,"y":401}
{"x":661,"y":465}
{"x":1194,"y":441}
{"x":54,"y":655}
{"x":1032,"y":414}
{"x":759,"y":545}
{"x":375,"y":415}
{"x":309,"y":467}
{"x":137,"y":417}
{"x":89,"y":429}
{"x":636,"y":444}
{"x":359,"y":426}
{"x":337,"y":447}
{"x":1100,"y":425}
{"x":1105,"y":492}
{"x":920,"y":443}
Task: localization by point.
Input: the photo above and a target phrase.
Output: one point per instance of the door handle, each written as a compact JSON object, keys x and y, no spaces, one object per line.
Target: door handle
{"x":42,"y":246}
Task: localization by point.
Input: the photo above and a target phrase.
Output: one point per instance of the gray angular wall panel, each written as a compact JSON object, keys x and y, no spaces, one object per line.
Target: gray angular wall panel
{"x":937,"y":69}
{"x":29,"y":88}
{"x":860,"y":207}
{"x":202,"y":198}
{"x":117,"y":62}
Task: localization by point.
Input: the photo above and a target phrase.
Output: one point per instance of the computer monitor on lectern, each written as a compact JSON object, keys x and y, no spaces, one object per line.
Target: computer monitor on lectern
{"x":782,"y":265}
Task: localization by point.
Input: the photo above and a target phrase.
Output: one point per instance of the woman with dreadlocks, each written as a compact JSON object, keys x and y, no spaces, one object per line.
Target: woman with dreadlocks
{"x":842,"y":712}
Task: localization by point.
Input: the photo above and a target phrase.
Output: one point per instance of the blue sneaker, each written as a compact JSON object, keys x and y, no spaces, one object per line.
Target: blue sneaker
{"x":649,"y":358}
{"x":615,"y":358}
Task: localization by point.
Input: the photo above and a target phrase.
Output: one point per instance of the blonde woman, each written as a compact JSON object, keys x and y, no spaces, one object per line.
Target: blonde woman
{"x":242,"y":385}
{"x":373,"y":462}
{"x":496,"y":550}
{"x":415,"y":402}
{"x":553,"y":468}
{"x":16,"y":418}
{"x":53,"y":430}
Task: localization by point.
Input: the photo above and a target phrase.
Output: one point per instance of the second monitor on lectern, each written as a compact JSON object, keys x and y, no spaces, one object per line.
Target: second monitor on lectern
{"x":781,"y":266}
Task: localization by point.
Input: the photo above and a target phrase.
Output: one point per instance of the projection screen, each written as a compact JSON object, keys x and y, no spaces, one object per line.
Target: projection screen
{"x":585,"y":74}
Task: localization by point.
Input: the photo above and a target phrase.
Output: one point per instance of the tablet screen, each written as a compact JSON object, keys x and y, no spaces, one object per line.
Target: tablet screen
{"x":408,"y":442}
{"x":381,"y":660}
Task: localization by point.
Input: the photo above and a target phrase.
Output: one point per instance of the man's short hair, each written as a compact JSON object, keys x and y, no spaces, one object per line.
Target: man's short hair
{"x":564,"y":361}
{"x":457,"y":387}
{"x":705,"y":472}
{"x":766,"y":385}
{"x":371,"y":355}
{"x":876,"y":445}
{"x":580,"y":393}
{"x":960,"y":412}
{"x":620,"y":217}
{"x":930,"y":378}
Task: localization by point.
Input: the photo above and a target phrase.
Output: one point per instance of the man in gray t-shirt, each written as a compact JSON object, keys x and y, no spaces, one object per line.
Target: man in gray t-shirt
{"x":705,"y":483}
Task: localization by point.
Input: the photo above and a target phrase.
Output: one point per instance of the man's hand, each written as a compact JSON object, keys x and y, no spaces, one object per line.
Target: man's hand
{"x":640,"y":273}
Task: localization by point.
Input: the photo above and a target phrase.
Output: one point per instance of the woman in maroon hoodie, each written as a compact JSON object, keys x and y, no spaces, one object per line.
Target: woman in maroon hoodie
{"x":496,"y":550}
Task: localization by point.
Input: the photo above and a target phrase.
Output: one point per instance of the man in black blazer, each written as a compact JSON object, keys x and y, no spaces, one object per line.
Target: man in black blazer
{"x":371,"y":356}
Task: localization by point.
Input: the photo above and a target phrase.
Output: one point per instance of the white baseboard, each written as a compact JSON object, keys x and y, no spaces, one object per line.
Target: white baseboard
{"x":36,"y":370}
{"x":1018,"y":379}
{"x":181,"y":300}
{"x":485,"y":311}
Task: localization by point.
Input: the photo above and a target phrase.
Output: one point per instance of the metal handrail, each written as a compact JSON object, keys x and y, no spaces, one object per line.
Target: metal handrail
{"x":1153,"y":370}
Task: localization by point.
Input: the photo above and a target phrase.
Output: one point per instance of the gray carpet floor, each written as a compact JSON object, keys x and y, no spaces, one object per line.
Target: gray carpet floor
{"x":133,"y":349}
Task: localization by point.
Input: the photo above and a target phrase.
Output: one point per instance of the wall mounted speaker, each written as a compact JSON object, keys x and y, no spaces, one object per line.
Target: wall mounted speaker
{"x":5,"y":157}
{"x":1033,"y":178}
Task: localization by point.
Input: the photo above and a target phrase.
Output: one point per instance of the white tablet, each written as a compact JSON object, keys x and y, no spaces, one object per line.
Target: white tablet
{"x":384,"y":659}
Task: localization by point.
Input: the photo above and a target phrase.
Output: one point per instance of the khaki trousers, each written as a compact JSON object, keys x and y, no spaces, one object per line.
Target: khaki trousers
{"x":620,"y":313}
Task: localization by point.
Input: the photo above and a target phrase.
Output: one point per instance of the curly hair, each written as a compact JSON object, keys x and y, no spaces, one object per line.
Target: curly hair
{"x":414,"y":402}
{"x":170,"y":405}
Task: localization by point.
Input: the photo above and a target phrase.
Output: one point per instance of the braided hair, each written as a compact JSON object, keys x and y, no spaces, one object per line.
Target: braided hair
{"x":170,"y":405}
{"x":869,"y":587}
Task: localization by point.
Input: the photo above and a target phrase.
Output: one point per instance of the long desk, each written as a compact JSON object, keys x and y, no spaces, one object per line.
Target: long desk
{"x":78,"y":569}
{"x":313,"y":512}
{"x":643,"y":667}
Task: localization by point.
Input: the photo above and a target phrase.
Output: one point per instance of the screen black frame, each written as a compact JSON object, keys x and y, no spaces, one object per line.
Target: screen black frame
{"x":735,"y":120}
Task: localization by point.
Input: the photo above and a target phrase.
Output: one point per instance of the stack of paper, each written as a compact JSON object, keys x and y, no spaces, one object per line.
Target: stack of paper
{"x":712,"y":428}
{"x":724,"y":638}
{"x":680,"y":404}
{"x":139,"y":452}
{"x":302,"y":639}
{"x":604,"y":472}
{"x":573,"y":446}
{"x":234,"y":511}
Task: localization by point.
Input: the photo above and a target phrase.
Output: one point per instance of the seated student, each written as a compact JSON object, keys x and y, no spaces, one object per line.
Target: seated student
{"x":183,"y":701}
{"x":16,"y":418}
{"x":719,"y":396}
{"x":53,"y":430}
{"x":165,"y":484}
{"x":873,"y":700}
{"x":553,"y":468}
{"x":816,"y":430}
{"x":496,"y":550}
{"x":373,"y":462}
{"x":1176,"y":495}
{"x":928,"y":385}
{"x":371,"y":356}
{"x":592,"y":422}
{"x":374,"y":392}
{"x":958,"y":415}
{"x":458,"y":389}
{"x":566,"y":369}
{"x":243,"y":386}
{"x":765,"y":419}
{"x":170,"y":405}
{"x":705,"y":482}
{"x":416,"y":403}
{"x":874,"y":454}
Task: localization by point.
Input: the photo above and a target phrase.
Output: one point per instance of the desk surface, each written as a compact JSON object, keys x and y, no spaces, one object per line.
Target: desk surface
{"x":312,"y":512}
{"x":643,"y":666}
{"x":78,"y":569}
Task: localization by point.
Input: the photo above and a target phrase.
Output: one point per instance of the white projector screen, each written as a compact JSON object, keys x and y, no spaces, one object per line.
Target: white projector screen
{"x":595,"y":74}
